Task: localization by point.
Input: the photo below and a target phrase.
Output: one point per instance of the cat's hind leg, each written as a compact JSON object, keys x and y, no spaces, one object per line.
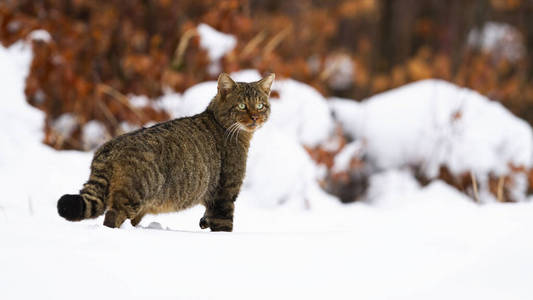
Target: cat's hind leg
{"x":114,"y":218}
{"x":137,"y":219}
{"x":218,"y":216}
{"x":124,"y":206}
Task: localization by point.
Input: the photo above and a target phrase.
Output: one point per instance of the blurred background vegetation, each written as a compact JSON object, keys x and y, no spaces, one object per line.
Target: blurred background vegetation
{"x":102,"y":50}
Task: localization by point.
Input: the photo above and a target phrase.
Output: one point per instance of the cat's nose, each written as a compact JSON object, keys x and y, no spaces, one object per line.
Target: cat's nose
{"x":254,"y":118}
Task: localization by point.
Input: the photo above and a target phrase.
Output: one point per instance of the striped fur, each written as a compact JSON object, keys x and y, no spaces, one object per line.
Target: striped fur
{"x":177,"y":164}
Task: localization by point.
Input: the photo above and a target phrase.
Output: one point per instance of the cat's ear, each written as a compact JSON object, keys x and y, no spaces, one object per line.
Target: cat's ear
{"x":225,"y":83}
{"x":266,"y":83}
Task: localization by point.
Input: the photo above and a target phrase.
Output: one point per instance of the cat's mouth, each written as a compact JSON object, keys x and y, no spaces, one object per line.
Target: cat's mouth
{"x":251,"y":127}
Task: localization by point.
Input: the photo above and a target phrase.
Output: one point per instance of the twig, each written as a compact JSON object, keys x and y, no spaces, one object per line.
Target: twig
{"x":326,"y":73}
{"x":182,"y":46}
{"x":107,"y":113}
{"x":122,"y":99}
{"x":499,"y":193}
{"x":474,"y":185}
{"x":253,"y":43}
{"x":276,"y":40}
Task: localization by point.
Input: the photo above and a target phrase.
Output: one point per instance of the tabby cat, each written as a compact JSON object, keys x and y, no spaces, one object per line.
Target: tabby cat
{"x":177,"y":164}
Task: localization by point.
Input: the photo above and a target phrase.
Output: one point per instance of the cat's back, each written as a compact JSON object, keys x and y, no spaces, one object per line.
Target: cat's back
{"x":197,"y":133}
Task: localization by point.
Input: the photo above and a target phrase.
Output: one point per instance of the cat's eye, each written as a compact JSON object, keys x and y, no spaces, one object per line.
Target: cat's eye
{"x":241,"y":106}
{"x":260,"y":106}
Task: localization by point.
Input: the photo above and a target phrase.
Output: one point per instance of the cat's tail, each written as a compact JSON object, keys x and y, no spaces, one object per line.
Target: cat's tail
{"x":90,"y":203}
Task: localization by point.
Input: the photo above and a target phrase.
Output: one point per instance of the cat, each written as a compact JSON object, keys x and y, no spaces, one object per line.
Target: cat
{"x":177,"y":164}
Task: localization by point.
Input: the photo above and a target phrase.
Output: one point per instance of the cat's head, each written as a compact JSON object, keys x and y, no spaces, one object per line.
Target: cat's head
{"x":242,"y":105}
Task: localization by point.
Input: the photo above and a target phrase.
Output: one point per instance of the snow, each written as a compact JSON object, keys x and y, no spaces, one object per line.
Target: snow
{"x":339,"y":71}
{"x":94,"y":134}
{"x":217,"y":45}
{"x":40,"y":35}
{"x":433,"y":123}
{"x":28,"y":169}
{"x":501,"y":40}
{"x":215,"y":42}
{"x":193,"y":101}
{"x":301,"y":112}
{"x":295,"y":185}
{"x":65,"y":124}
{"x":408,"y":242}
{"x":344,"y":157}
{"x":139,"y":101}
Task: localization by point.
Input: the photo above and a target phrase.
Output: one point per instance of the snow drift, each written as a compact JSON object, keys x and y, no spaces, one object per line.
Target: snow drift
{"x":433,"y":123}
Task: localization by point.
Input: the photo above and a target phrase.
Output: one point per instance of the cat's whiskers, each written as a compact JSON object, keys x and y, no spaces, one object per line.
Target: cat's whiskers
{"x":228,"y":131}
{"x":232,"y":130}
{"x":239,"y":128}
{"x":236,"y":132}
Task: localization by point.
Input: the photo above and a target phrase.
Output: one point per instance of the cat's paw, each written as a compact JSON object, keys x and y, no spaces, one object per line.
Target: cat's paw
{"x":204,"y":223}
{"x":218,"y":224}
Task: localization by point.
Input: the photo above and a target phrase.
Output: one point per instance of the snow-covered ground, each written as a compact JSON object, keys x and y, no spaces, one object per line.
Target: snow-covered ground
{"x":407,"y":242}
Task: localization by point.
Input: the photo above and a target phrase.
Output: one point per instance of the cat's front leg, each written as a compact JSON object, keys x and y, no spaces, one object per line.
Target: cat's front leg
{"x":204,"y":222}
{"x":218,"y":216}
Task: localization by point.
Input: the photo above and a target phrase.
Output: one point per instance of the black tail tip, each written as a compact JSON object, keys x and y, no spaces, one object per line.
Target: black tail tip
{"x":71,"y":207}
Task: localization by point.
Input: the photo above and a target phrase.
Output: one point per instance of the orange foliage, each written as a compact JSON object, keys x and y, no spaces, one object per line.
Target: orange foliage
{"x":101,"y":50}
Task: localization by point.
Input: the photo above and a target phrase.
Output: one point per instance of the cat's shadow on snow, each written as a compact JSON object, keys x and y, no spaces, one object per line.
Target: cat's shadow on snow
{"x":158,"y":226}
{"x":154,"y":226}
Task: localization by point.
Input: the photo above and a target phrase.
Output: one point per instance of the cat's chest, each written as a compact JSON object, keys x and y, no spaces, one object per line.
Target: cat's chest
{"x":236,"y":155}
